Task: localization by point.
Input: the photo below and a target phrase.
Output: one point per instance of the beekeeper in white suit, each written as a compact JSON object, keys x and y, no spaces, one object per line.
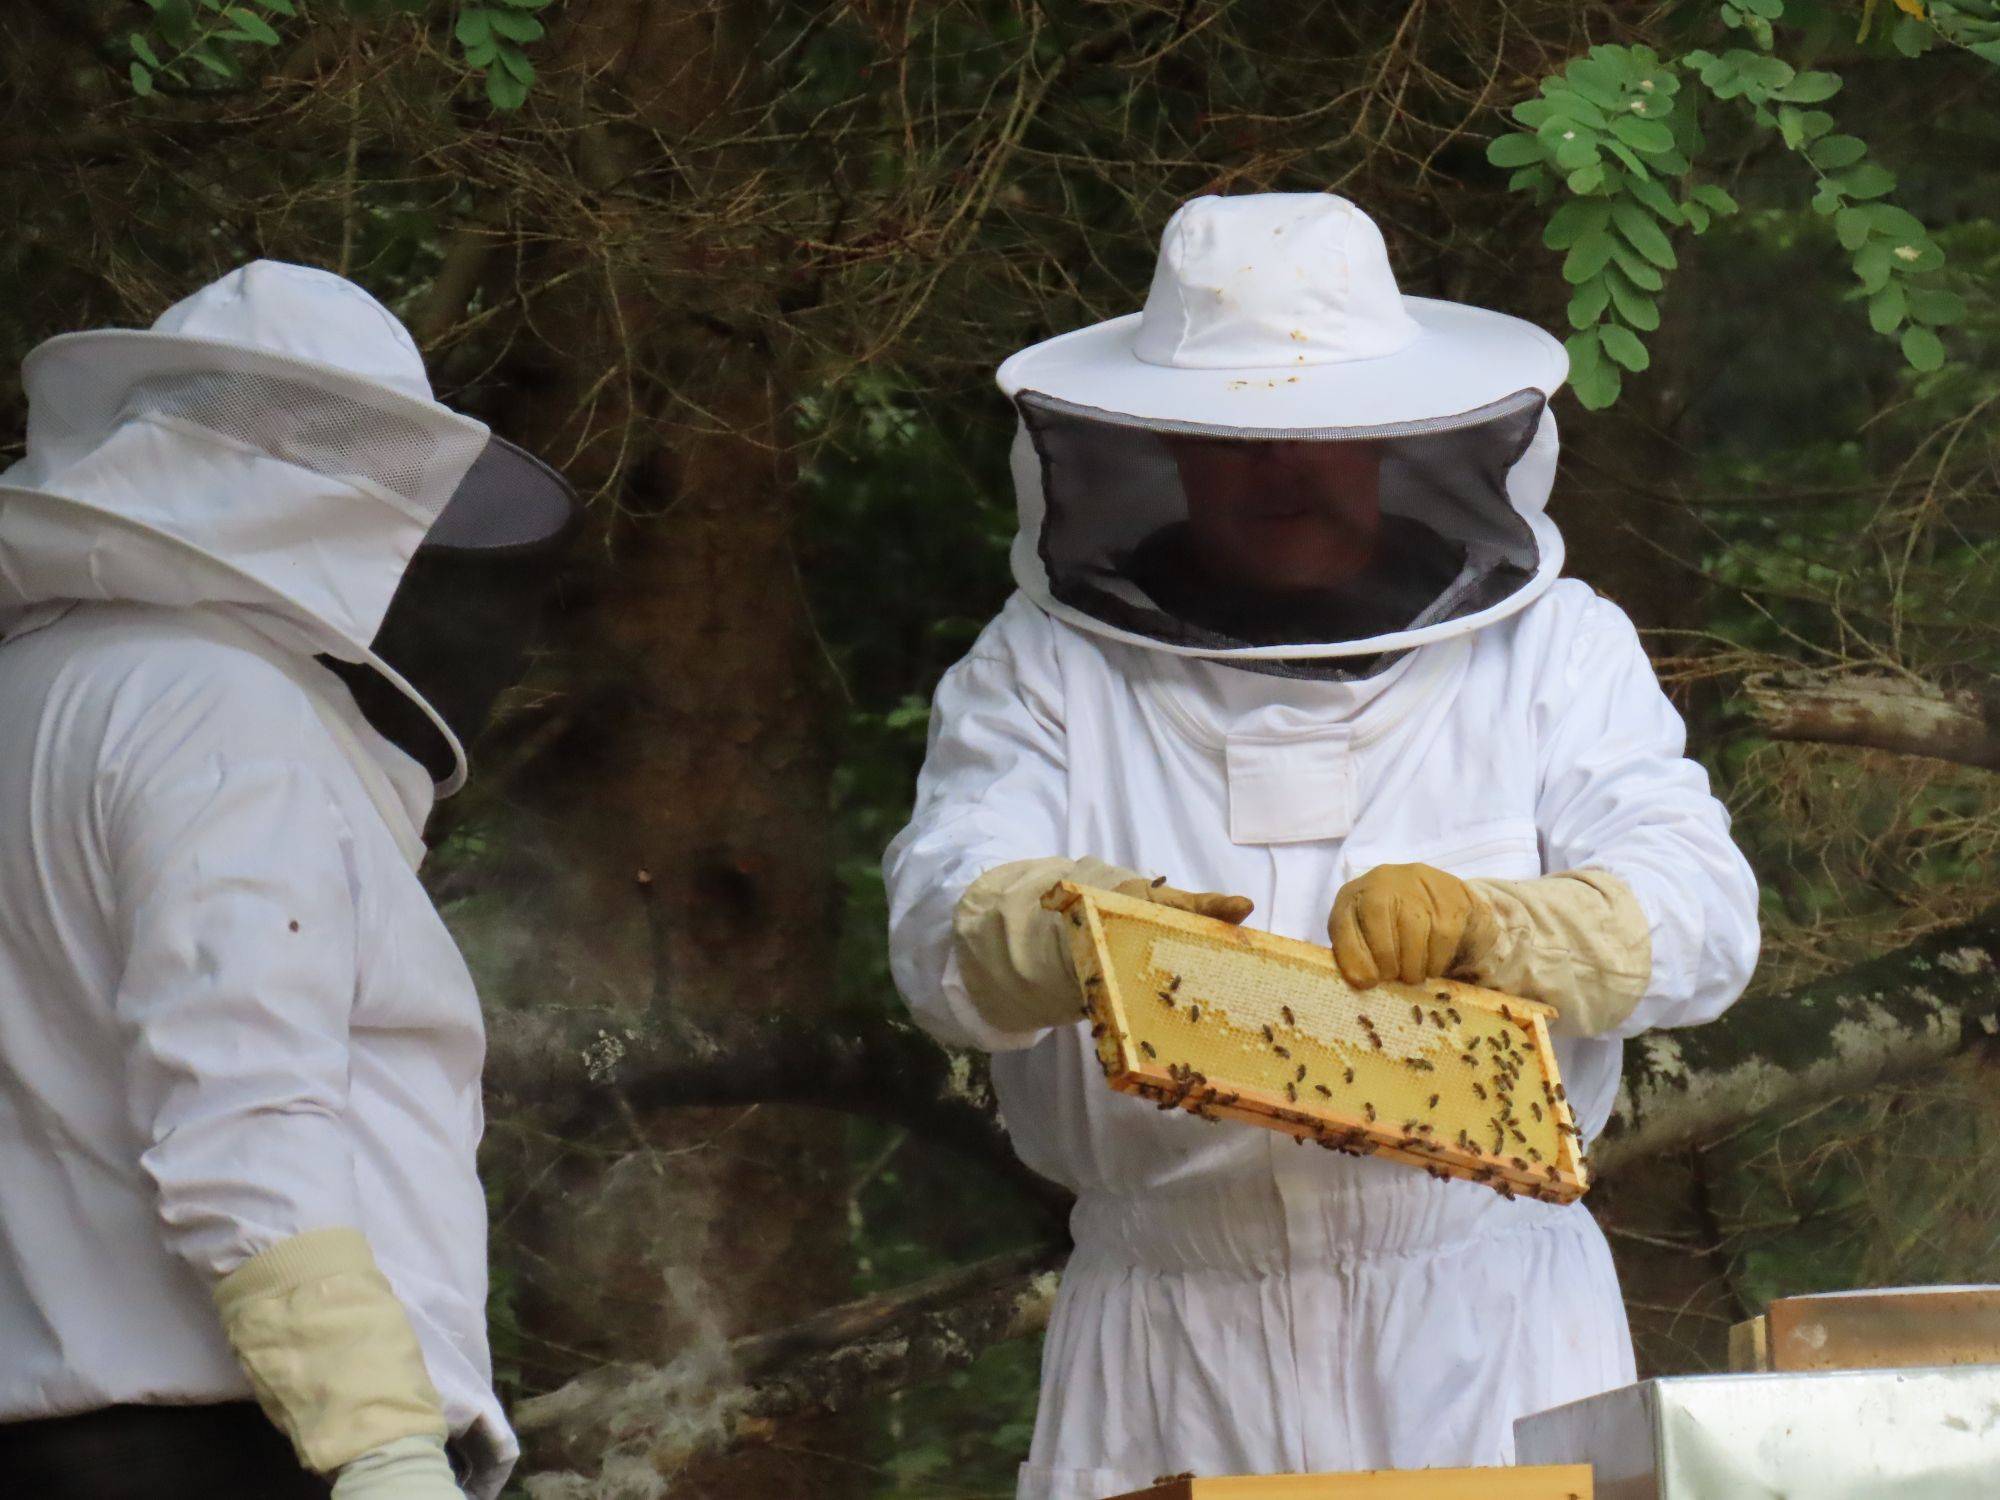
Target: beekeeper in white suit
{"x":1289,"y":633}
{"x":239,"y":1053}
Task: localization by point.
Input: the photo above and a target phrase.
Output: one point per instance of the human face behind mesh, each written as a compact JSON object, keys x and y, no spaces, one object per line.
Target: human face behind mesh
{"x":1281,"y":516}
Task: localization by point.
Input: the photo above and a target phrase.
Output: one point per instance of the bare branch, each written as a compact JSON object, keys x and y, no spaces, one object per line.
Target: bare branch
{"x":1878,"y":713}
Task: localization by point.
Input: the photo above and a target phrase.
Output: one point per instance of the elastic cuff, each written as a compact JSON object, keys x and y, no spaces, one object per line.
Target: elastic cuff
{"x":292,"y":1263}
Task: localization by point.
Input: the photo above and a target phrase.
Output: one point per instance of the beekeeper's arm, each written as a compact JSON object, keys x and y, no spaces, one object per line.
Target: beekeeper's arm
{"x":980,"y":961}
{"x":236,"y":906}
{"x":1649,"y":917}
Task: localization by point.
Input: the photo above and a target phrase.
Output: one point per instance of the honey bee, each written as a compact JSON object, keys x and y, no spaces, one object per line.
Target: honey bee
{"x":1443,"y":994}
{"x":1302,"y":1073}
{"x":1194,"y":1013}
{"x":1282,"y":1051}
{"x":1286,"y":1012}
{"x":1292,"y":1093}
{"x":1535,"y":1110}
{"x":1434,"y":1100}
{"x":1270,"y":1035}
{"x":1518,"y":1136}
{"x":1174,"y":983}
{"x":1417,"y":1014}
{"x":1147,"y":1048}
{"x":1479,"y":1091}
{"x":1518,"y":1163}
{"x":1376,"y":1040}
{"x":1368,"y":1110}
{"x":1561,"y":1095}
{"x":1533,"y":1154}
{"x":1348,"y":1076}
{"x":1456,"y":1018}
{"x":1469,"y":1058}
{"x":1167,"y":998}
{"x":1439,"y":1173}
{"x":1323,"y":1090}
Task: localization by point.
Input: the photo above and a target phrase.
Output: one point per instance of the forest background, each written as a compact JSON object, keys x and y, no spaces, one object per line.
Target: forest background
{"x":743,"y":268}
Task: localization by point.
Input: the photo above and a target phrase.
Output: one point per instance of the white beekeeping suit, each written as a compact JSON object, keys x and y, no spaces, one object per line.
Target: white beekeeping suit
{"x":1290,"y":629}
{"x":239,"y":1053}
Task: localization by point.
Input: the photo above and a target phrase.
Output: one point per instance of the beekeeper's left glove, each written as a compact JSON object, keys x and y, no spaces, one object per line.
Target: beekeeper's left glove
{"x":335,"y":1364}
{"x":1577,"y":940}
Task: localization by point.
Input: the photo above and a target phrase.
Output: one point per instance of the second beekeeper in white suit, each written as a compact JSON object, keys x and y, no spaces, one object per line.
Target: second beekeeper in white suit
{"x":1290,"y":631}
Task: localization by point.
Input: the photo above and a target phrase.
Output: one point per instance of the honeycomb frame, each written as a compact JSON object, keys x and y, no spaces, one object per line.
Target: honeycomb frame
{"x":1499,"y":1077}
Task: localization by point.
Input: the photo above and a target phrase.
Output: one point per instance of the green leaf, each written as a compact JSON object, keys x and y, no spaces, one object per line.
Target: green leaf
{"x":514,"y":26}
{"x":1835,"y":151}
{"x":1790,"y":129}
{"x":1871,"y":264}
{"x":143,"y":49}
{"x":1635,"y":169}
{"x":528,"y":4}
{"x":1586,"y":180}
{"x":1713,"y":198}
{"x":1640,"y":272}
{"x":142,"y":80}
{"x":474,"y":27}
{"x":1937,"y":307}
{"x":254,"y":26}
{"x":1528,"y":177}
{"x":1594,"y":378}
{"x":1587,"y":257}
{"x":1642,"y":135}
{"x":483,"y":54}
{"x":1571,"y":105}
{"x":1867,"y":180}
{"x":279,"y":7}
{"x":1770,"y":10}
{"x":1922,"y":348}
{"x":1896,"y":223}
{"x":1924,"y":256}
{"x":1656,"y":198}
{"x":1827,"y":200}
{"x":1644,"y":233}
{"x":1810,"y":88}
{"x":1885,"y":308}
{"x":1534,"y":113}
{"x":1575,"y":219}
{"x":516,"y":62}
{"x":213,"y":60}
{"x":1911,"y":36}
{"x":1588,"y":305}
{"x":504,"y":90}
{"x":1575,"y":151}
{"x":1851,"y":225}
{"x":1623,"y":345}
{"x":1697,"y":217}
{"x":1515,"y":150}
{"x":1633,"y":305}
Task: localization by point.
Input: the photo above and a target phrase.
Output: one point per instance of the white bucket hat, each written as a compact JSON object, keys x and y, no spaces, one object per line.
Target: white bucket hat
{"x":1279,"y":310}
{"x":271,"y":443}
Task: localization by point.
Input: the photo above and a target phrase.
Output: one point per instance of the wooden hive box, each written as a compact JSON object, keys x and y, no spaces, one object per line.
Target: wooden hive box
{"x":1231,"y":1023}
{"x":1536,"y":1482}
{"x":1889,"y":1329}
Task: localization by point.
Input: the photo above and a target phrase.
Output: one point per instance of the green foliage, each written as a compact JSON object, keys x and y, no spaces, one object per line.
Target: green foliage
{"x":1973,"y":25}
{"x":196,"y":43}
{"x":1618,"y":135}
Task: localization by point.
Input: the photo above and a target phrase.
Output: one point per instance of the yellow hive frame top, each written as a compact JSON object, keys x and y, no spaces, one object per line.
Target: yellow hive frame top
{"x":1232,"y":1023}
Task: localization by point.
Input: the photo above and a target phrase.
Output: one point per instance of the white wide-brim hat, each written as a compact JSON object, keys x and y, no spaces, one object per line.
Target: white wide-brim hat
{"x":270,"y":443}
{"x":1279,"y":312}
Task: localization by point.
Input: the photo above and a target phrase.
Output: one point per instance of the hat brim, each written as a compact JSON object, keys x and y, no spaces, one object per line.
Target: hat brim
{"x":247,"y":589}
{"x":509,"y":504}
{"x":1462,"y":358}
{"x":89,"y":357}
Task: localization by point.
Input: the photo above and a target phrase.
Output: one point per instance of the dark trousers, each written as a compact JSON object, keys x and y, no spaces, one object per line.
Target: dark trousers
{"x":229,"y":1451}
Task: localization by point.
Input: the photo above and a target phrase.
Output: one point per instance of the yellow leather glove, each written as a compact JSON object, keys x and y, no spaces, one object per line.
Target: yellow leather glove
{"x":1577,"y":940}
{"x":1014,"y":954}
{"x":331,"y":1354}
{"x":1407,"y":922}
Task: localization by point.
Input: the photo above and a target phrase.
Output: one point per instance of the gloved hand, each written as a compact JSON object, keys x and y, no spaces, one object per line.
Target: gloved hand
{"x":332,"y":1357}
{"x":411,"y":1468}
{"x":1577,"y":940}
{"x":1407,"y":922}
{"x":1014,"y":954}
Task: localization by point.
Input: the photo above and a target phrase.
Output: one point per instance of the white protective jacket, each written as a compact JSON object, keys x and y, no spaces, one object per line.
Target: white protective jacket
{"x":228,"y":1014}
{"x":1236,"y":1305}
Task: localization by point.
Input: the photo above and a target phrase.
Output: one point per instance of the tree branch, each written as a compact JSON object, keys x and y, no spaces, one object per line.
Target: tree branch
{"x":1894,"y":1015}
{"x":1878,"y":713}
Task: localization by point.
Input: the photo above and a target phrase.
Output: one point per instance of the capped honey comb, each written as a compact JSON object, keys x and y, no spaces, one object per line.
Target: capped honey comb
{"x":1231,"y":1023}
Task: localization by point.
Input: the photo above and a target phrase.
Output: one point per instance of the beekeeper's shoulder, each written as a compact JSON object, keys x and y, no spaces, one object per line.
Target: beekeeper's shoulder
{"x":171,"y":686}
{"x":1569,"y":617}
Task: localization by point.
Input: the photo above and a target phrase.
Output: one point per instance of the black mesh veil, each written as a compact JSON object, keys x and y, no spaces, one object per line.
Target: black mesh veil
{"x":1225,"y":537}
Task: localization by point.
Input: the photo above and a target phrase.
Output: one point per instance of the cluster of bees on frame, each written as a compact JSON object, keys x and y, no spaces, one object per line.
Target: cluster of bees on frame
{"x":1500,"y":1062}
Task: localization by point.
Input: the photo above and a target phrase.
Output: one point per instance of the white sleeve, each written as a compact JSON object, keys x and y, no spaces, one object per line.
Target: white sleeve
{"x":235,"y":906}
{"x":994,"y":788}
{"x":1617,"y":793}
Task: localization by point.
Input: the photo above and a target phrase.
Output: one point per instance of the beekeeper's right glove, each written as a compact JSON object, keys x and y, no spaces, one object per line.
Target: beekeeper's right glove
{"x":1014,"y":954}
{"x":411,"y":1468}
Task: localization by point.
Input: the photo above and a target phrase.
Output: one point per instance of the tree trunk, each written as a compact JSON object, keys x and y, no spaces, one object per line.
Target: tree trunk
{"x":1878,"y":713}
